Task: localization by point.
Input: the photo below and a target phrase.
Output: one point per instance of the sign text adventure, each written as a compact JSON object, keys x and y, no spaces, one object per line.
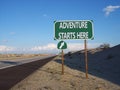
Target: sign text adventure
{"x":73,"y":30}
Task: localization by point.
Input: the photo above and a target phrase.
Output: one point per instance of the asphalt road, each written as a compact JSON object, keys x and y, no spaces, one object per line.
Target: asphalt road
{"x":10,"y":63}
{"x":13,"y":72}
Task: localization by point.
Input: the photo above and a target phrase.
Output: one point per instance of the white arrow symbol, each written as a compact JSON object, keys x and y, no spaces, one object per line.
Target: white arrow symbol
{"x":62,"y":44}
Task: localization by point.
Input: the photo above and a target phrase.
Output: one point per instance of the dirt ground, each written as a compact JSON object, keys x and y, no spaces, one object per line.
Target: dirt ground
{"x":49,"y":78}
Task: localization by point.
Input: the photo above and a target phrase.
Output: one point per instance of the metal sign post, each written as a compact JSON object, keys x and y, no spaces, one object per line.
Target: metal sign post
{"x":62,"y":62}
{"x":86,"y":59}
{"x":62,"y":45}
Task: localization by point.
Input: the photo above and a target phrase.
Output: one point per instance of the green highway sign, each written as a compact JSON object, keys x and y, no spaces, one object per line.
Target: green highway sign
{"x":62,"y":45}
{"x":79,"y":29}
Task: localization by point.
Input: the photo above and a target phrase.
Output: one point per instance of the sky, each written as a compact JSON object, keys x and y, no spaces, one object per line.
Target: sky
{"x":27,"y":26}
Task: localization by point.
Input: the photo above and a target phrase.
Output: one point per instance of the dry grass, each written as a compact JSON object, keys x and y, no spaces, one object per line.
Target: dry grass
{"x":18,"y":56}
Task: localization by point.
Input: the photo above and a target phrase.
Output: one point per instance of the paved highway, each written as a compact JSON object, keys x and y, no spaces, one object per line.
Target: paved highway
{"x":12,"y":72}
{"x":10,"y":63}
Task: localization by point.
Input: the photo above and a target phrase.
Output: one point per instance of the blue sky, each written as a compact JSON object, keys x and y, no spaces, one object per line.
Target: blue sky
{"x":28,"y":24}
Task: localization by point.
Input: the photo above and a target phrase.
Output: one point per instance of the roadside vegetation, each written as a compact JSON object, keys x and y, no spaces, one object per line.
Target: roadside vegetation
{"x":18,"y":56}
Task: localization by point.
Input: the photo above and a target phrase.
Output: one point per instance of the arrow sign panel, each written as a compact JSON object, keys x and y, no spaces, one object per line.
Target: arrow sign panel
{"x":62,"y":45}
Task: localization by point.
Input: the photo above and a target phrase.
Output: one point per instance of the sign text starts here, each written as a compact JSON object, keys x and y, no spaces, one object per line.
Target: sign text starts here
{"x":73,"y":30}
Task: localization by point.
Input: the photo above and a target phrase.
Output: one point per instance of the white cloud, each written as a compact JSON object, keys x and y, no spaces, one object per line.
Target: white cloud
{"x":110,"y":9}
{"x":6,"y":48}
{"x":4,"y":41}
{"x":75,"y":46}
{"x":12,"y":33}
{"x":49,"y":48}
{"x":80,"y":46}
{"x":52,"y":48}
